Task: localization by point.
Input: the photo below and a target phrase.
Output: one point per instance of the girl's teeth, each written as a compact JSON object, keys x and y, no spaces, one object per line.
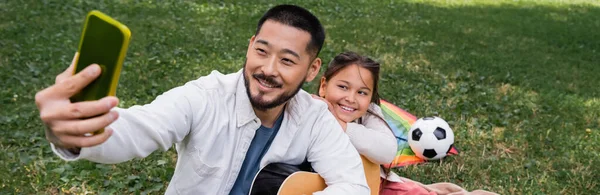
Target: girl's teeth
{"x":346,"y":108}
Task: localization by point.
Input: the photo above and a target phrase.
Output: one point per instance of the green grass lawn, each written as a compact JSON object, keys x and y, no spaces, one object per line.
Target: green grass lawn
{"x":517,"y":80}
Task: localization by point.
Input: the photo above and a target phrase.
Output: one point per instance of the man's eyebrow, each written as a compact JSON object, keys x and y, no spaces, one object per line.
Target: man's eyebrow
{"x":263,"y":42}
{"x":288,"y":51}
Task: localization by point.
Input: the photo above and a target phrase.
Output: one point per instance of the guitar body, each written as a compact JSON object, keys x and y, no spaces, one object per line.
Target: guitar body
{"x":372,"y":173}
{"x":302,"y":183}
{"x":284,"y":179}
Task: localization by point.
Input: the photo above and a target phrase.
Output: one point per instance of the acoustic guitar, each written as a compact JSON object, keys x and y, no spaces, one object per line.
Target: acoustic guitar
{"x":285,"y":179}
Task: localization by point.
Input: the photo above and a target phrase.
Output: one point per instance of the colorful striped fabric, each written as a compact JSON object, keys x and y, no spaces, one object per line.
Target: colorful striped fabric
{"x":400,"y":121}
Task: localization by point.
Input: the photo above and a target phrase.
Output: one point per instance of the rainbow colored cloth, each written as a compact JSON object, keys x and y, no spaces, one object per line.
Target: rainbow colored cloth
{"x":400,"y":121}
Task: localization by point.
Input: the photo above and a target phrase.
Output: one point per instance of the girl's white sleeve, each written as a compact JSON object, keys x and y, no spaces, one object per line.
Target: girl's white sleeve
{"x":373,"y":138}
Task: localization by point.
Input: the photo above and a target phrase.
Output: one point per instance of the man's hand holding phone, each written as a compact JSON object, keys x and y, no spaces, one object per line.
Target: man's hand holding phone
{"x":71,"y":125}
{"x":76,"y":109}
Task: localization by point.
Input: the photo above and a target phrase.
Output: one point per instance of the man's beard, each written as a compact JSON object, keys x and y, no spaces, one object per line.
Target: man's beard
{"x":257,"y":101}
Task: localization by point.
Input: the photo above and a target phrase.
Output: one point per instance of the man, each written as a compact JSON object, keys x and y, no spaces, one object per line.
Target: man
{"x":225,"y":127}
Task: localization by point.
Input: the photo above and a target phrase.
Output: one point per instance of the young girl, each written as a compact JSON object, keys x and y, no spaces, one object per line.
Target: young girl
{"x":349,"y":87}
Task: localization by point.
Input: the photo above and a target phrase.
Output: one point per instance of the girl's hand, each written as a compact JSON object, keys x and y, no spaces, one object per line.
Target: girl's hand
{"x":330,"y":107}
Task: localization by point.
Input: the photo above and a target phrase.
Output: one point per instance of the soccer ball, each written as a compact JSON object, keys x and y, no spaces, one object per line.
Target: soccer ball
{"x":430,"y":138}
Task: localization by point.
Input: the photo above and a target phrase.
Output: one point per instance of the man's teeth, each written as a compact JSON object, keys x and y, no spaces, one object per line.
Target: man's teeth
{"x":262,"y":82}
{"x":347,"y":108}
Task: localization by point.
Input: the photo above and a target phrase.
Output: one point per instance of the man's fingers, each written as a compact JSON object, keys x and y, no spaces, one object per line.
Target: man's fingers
{"x":79,"y":110}
{"x":69,"y":71}
{"x":74,"y":59}
{"x":71,"y":85}
{"x":86,"y":141}
{"x":82,"y":127}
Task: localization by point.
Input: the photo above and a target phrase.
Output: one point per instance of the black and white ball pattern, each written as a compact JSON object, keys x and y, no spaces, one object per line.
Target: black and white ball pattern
{"x":431,"y":138}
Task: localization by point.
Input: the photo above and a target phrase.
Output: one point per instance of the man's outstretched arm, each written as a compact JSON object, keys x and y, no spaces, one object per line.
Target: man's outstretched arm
{"x":129,"y":133}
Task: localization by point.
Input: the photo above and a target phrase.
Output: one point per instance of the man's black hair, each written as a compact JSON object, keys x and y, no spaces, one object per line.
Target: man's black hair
{"x":300,"y":18}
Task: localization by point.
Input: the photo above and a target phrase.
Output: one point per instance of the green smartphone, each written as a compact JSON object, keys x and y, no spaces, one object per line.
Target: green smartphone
{"x":104,"y":41}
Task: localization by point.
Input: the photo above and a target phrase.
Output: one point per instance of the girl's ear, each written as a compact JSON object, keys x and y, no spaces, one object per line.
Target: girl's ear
{"x":322,"y":87}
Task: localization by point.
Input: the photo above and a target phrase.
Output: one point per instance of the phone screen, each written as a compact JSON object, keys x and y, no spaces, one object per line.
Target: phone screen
{"x":101,"y":44}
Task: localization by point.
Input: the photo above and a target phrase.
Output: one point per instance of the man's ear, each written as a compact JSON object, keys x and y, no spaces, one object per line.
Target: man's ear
{"x":313,"y":69}
{"x":250,"y":45}
{"x":322,"y":87}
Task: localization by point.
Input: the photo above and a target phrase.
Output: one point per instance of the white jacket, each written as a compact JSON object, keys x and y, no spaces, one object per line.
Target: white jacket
{"x":211,"y":122}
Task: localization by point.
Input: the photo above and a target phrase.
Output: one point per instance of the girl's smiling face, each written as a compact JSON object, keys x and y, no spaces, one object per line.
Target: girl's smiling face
{"x":349,"y":91}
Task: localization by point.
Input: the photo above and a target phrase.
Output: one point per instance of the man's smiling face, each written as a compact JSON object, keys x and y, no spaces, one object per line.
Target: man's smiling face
{"x":277,"y":64}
